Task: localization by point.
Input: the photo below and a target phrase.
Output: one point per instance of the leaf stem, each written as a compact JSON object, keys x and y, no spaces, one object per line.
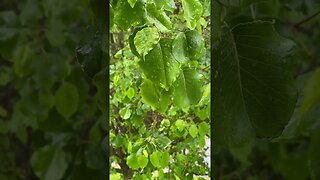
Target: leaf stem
{"x":253,"y":14}
{"x":306,"y":19}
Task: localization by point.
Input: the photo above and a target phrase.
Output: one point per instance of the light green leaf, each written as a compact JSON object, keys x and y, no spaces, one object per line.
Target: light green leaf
{"x":129,"y":147}
{"x":130,"y":92}
{"x":142,"y":161}
{"x":132,"y":2}
{"x":66,"y":99}
{"x":187,"y":88}
{"x":132,"y":161}
{"x":158,"y":18}
{"x":165,"y":158}
{"x":180,"y":124}
{"x":125,"y":113}
{"x":145,"y":153}
{"x":254,"y":90}
{"x":155,"y":158}
{"x":165,"y":122}
{"x":180,"y":48}
{"x":168,"y":5}
{"x":149,"y":93}
{"x":145,"y":39}
{"x":193,"y":131}
{"x":188,"y":46}
{"x":193,"y":11}
{"x":203,"y":128}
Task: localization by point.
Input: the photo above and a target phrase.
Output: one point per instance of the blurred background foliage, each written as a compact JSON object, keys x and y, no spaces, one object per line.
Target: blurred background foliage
{"x":295,"y":154}
{"x":51,"y":123}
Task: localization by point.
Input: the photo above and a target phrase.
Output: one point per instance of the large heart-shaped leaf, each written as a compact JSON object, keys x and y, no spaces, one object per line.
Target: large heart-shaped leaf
{"x":159,"y":65}
{"x":253,"y":83}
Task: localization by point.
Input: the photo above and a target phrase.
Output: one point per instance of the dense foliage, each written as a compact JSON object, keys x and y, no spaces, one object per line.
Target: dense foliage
{"x":51,"y":120}
{"x":266,"y":89}
{"x":159,"y":89}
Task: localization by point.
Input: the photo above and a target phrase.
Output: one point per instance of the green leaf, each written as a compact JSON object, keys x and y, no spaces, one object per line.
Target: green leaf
{"x":155,"y":158}
{"x":153,"y":66}
{"x":132,"y":2}
{"x":172,"y":67}
{"x":166,"y":4}
{"x":125,"y":16}
{"x":193,"y":11}
{"x":149,"y":93}
{"x":159,"y":66}
{"x":158,"y":18}
{"x":145,"y":39}
{"x":253,"y":83}
{"x":90,"y":54}
{"x":193,"y":131}
{"x":311,"y":93}
{"x":142,"y":161}
{"x":203,"y":129}
{"x":130,"y":92}
{"x":195,"y":44}
{"x":180,"y":124}
{"x":165,"y":122}
{"x":66,"y":99}
{"x":145,"y":153}
{"x":49,"y":163}
{"x":129,"y":147}
{"x":180,"y":48}
{"x":165,"y":158}
{"x":188,"y":46}
{"x":56,"y":37}
{"x":95,"y":157}
{"x":132,"y":161}
{"x":187,"y":89}
{"x":125,"y":113}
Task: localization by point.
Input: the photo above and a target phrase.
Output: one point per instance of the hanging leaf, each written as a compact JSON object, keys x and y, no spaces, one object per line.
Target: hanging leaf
{"x":126,"y":16}
{"x":159,"y":66}
{"x":155,"y":158}
{"x":158,"y":18}
{"x":188,"y":46}
{"x":253,"y":83}
{"x":187,"y":89}
{"x":193,"y":11}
